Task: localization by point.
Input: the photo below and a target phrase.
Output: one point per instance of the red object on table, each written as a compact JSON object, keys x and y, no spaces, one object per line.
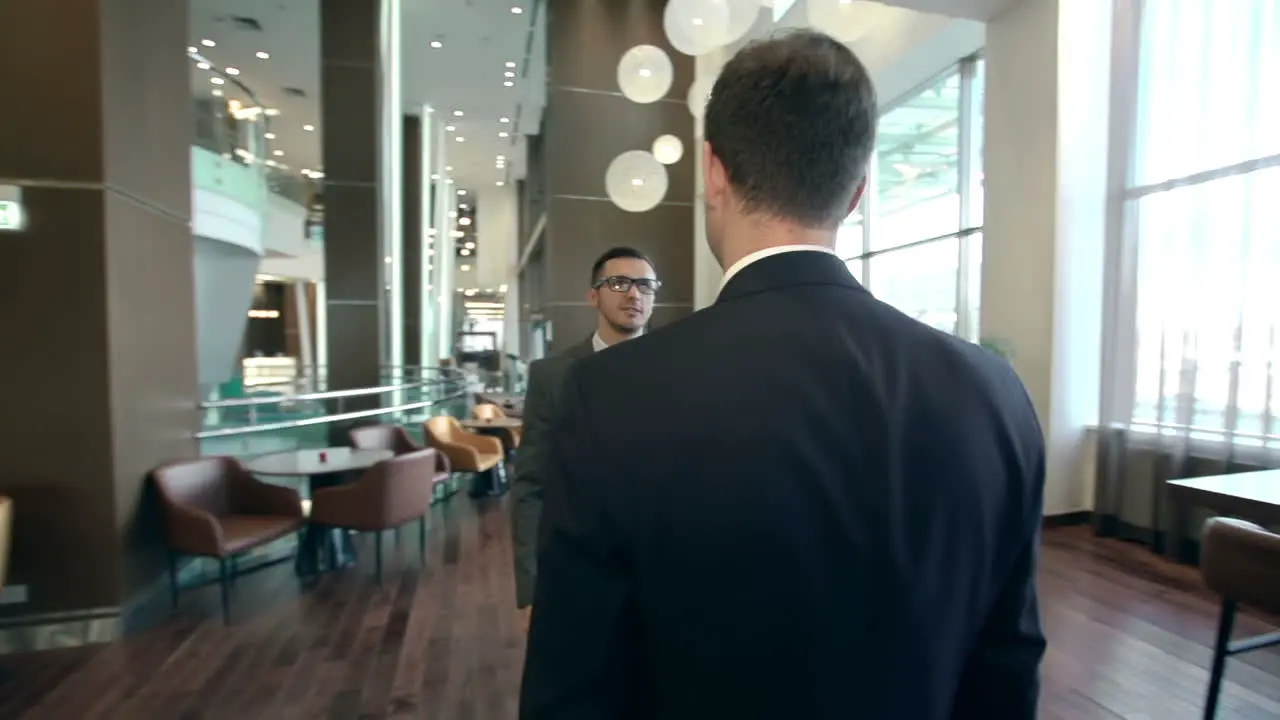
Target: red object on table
{"x":324,"y":457}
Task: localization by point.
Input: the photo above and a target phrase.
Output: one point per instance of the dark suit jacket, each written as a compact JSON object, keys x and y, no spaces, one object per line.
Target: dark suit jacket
{"x":801,"y":504}
{"x":541,"y":399}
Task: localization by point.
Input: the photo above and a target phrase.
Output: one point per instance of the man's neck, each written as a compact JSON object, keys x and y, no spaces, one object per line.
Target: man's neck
{"x":754,"y":234}
{"x":612,"y":336}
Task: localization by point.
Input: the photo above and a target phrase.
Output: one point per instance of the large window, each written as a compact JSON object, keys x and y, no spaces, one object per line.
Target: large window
{"x":916,"y":242}
{"x":1196,"y":342}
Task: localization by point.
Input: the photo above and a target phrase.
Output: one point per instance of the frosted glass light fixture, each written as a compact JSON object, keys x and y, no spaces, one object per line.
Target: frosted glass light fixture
{"x":636,"y":181}
{"x":644,"y":74}
{"x":699,"y":94}
{"x":742,"y":16}
{"x":668,"y":149}
{"x":696,"y":27}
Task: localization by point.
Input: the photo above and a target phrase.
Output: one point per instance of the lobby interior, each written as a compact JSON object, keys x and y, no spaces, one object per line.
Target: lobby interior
{"x":255,"y":228}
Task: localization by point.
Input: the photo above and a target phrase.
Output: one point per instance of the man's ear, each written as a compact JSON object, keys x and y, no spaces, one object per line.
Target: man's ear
{"x":593,"y":297}
{"x":857,"y":197}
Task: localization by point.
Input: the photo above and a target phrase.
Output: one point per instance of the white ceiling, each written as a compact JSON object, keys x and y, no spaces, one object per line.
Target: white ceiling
{"x":478,"y":38}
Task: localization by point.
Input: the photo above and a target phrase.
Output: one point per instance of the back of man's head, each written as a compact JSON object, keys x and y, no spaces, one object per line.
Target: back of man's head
{"x":792,"y":119}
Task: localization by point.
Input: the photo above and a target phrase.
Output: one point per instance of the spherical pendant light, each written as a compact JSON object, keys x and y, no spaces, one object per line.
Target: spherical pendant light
{"x":668,"y":149}
{"x":636,"y":181}
{"x":742,"y":17}
{"x":699,"y":94}
{"x":644,"y":74}
{"x":696,"y":27}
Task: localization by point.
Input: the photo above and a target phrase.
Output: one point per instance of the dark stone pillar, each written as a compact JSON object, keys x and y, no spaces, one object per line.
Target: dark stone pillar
{"x":412,"y":249}
{"x":350,"y":80}
{"x":97,"y":312}
{"x":587,"y":123}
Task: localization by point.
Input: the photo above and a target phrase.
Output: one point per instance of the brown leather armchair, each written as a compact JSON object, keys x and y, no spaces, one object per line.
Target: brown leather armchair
{"x":383,"y":437}
{"x":213,"y":507}
{"x":467,"y":451}
{"x":390,"y":494}
{"x":1241,"y":562}
{"x":490,"y":411}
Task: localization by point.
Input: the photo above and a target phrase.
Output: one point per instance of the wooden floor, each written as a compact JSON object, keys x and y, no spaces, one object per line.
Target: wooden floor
{"x":1128,"y":638}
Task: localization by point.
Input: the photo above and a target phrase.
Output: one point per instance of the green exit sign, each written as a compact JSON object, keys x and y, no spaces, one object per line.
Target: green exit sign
{"x":13,"y":217}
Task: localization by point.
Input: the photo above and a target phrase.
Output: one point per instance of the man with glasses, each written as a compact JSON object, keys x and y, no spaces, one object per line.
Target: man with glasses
{"x":622,"y":289}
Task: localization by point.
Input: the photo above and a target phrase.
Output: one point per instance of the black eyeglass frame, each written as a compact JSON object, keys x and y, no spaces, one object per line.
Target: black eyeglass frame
{"x":623,"y":284}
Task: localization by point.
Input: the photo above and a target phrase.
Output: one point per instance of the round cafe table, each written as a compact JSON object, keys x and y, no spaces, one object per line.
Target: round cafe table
{"x":323,"y":468}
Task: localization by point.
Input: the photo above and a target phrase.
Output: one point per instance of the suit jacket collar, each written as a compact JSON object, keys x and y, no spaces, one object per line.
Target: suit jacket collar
{"x":580,"y":350}
{"x":788,"y":270}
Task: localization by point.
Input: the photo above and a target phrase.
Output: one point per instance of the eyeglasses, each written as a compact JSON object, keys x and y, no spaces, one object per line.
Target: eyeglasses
{"x":623,"y":284}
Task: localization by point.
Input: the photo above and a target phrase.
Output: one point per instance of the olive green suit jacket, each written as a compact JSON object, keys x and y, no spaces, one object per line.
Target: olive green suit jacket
{"x":533,"y":462}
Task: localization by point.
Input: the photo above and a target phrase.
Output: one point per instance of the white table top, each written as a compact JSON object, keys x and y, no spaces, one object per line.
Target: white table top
{"x":308,"y":462}
{"x":1262,"y":487}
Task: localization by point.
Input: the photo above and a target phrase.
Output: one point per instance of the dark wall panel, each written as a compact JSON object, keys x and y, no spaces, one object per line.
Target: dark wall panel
{"x":412,"y":244}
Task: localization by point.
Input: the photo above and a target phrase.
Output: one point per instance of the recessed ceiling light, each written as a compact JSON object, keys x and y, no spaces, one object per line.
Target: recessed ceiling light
{"x":436,"y":44}
{"x":504,"y":120}
{"x":450,"y":128}
{"x":469,"y":245}
{"x":499,"y":183}
{"x":264,"y":55}
{"x":462,"y":192}
{"x":453,"y":214}
{"x":233,"y":71}
{"x":203,"y":65}
{"x":192,"y":48}
{"x":456,"y":234}
{"x":504,"y":134}
{"x":270,"y":136}
{"x":278,"y":153}
{"x":457,"y":113}
{"x":435,"y":176}
{"x":448,"y":181}
{"x":216,"y":80}
{"x":516,"y":10}
{"x":464,"y":252}
{"x":509,"y":74}
{"x":502,"y":157}
{"x":208,"y":43}
{"x":309,"y":128}
{"x":464,"y":206}
{"x":387,"y":259}
{"x":460,"y":139}
{"x":510,"y":64}
{"x":272,"y":112}
{"x":448,"y":168}
{"x":508,"y":83}
{"x":465,"y":268}
{"x":217,"y":92}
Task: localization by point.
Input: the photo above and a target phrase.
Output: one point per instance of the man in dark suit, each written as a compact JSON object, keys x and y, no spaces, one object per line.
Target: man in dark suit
{"x":802,"y":503}
{"x":622,"y":289}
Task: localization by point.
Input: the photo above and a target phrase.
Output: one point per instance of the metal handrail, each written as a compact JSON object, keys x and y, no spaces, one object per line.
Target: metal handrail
{"x":339,"y":417}
{"x":326,"y":395}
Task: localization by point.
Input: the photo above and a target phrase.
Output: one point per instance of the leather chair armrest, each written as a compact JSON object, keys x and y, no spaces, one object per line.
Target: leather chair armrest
{"x":482,"y":443}
{"x":463,"y":457}
{"x":341,"y":506}
{"x":443,"y":466}
{"x":192,"y":531}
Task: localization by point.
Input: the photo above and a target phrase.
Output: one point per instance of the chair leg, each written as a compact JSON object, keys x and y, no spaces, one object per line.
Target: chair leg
{"x":173,"y":580}
{"x":1225,"y":623}
{"x":377,"y":556}
{"x":224,"y":581}
{"x":422,"y":539}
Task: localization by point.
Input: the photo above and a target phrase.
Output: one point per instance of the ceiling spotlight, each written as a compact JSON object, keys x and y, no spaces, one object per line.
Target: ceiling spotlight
{"x":499,"y":183}
{"x":508,"y":74}
{"x":464,"y":252}
{"x":465,"y":268}
{"x":448,"y":181}
{"x":436,"y":44}
{"x":504,"y":134}
{"x":435,"y":176}
{"x":216,"y":80}
{"x":464,"y":206}
{"x":448,"y":168}
{"x":504,"y":120}
{"x":278,"y":153}
{"x":270,"y":136}
{"x":510,"y":64}
{"x":507,"y":83}
{"x":457,"y":113}
{"x":233,"y":71}
{"x":469,"y":245}
{"x":462,"y":192}
{"x":272,"y":112}
{"x":460,"y":139}
{"x":309,"y":128}
{"x":217,"y":92}
{"x":464,"y":221}
{"x":203,"y":65}
{"x":192,"y":49}
{"x":515,"y":10}
{"x":264,"y":55}
{"x":502,"y":157}
{"x":452,"y":214}
{"x":456,"y":234}
{"x":450,"y":128}
{"x":208,"y":43}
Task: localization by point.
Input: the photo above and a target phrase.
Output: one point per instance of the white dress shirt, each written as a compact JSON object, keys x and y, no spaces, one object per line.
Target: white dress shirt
{"x":598,"y":343}
{"x":768,"y":252}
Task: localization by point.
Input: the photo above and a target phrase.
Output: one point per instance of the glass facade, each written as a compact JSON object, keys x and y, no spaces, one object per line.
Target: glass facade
{"x":916,"y":240}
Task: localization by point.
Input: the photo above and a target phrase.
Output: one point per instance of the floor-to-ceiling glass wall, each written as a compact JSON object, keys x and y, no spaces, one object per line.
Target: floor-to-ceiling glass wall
{"x":916,"y":241}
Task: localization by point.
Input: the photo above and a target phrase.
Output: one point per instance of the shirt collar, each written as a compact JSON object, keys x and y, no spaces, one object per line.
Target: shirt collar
{"x":768,"y":252}
{"x":598,"y":343}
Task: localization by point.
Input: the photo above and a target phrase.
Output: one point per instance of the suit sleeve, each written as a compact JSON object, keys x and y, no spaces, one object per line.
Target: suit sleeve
{"x":578,"y":640}
{"x":1001,"y":680}
{"x":526,"y":491}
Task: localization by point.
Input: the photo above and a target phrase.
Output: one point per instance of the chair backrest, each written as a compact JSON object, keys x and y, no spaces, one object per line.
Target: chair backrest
{"x":383,"y":437}
{"x":404,"y":484}
{"x":6,"y":536}
{"x":487,"y":411}
{"x":442,"y":428}
{"x":1241,"y":561}
{"x":203,"y":483}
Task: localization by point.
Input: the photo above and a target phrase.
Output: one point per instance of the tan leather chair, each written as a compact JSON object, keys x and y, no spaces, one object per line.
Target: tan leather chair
{"x":489,"y":411}
{"x":213,"y":507}
{"x":1241,"y":562}
{"x":467,"y":451}
{"x":388,"y":495}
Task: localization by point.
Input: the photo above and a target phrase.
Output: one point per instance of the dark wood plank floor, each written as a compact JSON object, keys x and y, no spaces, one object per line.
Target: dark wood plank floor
{"x":1129,"y":637}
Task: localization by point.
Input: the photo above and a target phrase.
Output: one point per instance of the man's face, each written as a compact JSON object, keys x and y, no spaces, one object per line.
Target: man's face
{"x":626,"y":310}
